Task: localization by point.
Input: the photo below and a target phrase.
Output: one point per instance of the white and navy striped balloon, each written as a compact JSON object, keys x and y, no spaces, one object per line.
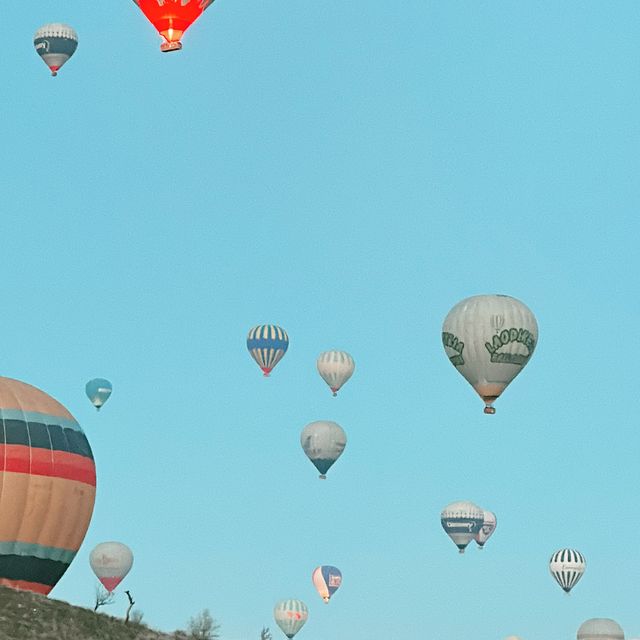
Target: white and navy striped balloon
{"x":290,"y":616}
{"x":267,"y":344}
{"x":335,"y":368}
{"x":567,"y":567}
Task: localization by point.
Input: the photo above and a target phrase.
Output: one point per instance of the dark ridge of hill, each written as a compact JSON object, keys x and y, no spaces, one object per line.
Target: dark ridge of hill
{"x":28,"y":616}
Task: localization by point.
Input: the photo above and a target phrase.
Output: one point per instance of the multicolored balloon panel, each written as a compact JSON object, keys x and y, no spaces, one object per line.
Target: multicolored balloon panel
{"x":267,"y":344}
{"x":48,"y":480}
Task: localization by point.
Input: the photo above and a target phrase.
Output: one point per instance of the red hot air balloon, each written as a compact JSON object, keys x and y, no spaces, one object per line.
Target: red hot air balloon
{"x":172,"y":18}
{"x":48,"y":481}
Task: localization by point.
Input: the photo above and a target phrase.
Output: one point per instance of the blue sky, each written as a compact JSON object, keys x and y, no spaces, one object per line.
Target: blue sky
{"x":348,"y":170}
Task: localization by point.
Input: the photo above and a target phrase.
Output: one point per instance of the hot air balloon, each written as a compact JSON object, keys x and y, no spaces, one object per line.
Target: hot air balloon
{"x":567,"y":567}
{"x":600,"y":629}
{"x":489,"y":339}
{"x":461,"y":521}
{"x":111,"y":562}
{"x":55,"y":44}
{"x":172,"y":18}
{"x":267,"y":344}
{"x":335,"y":368}
{"x":48,"y":481}
{"x":326,"y":579}
{"x":98,"y":391}
{"x":488,"y":527}
{"x":323,"y":442}
{"x":290,"y":616}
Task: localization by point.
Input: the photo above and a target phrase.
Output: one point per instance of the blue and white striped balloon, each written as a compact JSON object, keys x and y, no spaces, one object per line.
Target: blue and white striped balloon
{"x":290,"y":616}
{"x":267,"y":344}
{"x":567,"y":567}
{"x":335,"y":368}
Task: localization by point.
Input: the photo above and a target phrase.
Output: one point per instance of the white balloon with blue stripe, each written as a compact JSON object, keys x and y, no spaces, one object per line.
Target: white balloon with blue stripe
{"x":55,"y":43}
{"x":567,"y":566}
{"x":290,"y":616}
{"x":335,"y":368}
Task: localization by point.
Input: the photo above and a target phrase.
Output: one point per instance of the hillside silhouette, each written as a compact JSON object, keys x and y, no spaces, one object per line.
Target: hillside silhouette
{"x":28,"y":616}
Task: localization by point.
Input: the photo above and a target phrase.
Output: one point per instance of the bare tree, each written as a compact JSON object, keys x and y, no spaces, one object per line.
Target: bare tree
{"x":103,"y":597}
{"x":203,"y":627}
{"x":131,"y":603}
{"x":265,"y":634}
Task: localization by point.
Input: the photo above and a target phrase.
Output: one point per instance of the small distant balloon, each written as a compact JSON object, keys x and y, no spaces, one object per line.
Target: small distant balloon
{"x":488,"y":527}
{"x":323,"y":442}
{"x":600,"y":629}
{"x":461,"y":522}
{"x":567,"y":567}
{"x":267,"y":344}
{"x":290,"y":616}
{"x":326,"y":579}
{"x":98,"y":391}
{"x":55,"y":43}
{"x":335,"y":368}
{"x":111,"y":562}
{"x":489,"y":339}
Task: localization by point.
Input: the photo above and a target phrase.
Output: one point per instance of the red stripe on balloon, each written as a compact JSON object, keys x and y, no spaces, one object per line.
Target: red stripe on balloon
{"x":25,"y":585}
{"x":18,"y":458}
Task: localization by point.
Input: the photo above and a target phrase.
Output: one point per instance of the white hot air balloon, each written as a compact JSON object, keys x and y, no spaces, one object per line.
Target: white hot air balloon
{"x":323,"y":442}
{"x":290,"y":616}
{"x":461,"y":521}
{"x":600,"y":629}
{"x":335,"y":368}
{"x":489,"y":339}
{"x":111,"y":562}
{"x":487,"y":528}
{"x":567,"y":567}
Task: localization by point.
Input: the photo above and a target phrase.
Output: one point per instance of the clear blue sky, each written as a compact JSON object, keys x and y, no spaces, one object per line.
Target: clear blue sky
{"x":348,"y":170}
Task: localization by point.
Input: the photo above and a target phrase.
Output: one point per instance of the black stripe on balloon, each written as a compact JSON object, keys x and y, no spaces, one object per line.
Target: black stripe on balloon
{"x":45,"y":436}
{"x":31,"y":569}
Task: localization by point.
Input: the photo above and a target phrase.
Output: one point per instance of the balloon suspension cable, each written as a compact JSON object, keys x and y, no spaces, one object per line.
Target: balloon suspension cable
{"x":322,"y":476}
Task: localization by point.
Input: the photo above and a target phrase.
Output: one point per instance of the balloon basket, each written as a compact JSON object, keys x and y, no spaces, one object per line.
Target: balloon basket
{"x":165,"y":47}
{"x":489,"y":410}
{"x":322,"y":476}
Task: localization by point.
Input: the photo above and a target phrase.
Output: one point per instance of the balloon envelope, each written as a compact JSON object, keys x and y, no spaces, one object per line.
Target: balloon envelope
{"x":567,"y":567}
{"x":335,"y":368}
{"x":48,"y":481}
{"x":55,"y":43}
{"x":290,"y":616}
{"x":600,"y":629}
{"x":326,"y":579}
{"x":111,"y":562}
{"x":267,"y":344}
{"x":98,"y":391}
{"x":488,"y":527}
{"x":172,"y":18}
{"x":489,"y":339}
{"x":461,"y":521}
{"x":323,"y":442}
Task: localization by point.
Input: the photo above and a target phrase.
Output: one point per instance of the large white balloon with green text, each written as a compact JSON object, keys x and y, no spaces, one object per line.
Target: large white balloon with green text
{"x":489,"y":339}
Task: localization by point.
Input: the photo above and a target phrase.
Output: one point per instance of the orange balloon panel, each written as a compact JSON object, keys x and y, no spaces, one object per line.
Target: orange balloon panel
{"x":47,"y":480}
{"x":172,"y":17}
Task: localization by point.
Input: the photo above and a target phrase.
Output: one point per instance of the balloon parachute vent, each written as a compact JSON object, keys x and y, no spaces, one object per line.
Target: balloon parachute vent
{"x":165,"y":47}
{"x":322,"y":476}
{"x":489,"y":410}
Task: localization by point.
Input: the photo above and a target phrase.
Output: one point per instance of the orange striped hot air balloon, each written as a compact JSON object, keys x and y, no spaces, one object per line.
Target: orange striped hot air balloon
{"x":48,"y":481}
